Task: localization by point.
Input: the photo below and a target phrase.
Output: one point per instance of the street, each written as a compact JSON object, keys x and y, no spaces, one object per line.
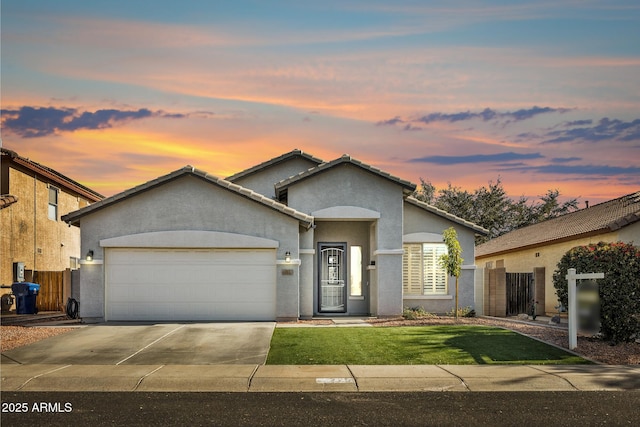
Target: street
{"x":321,"y":409}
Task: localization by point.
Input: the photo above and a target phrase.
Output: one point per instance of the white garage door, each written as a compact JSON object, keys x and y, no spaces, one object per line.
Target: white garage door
{"x":190,"y":284}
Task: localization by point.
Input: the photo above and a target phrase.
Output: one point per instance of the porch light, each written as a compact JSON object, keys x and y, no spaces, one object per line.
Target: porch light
{"x":89,"y":256}
{"x":287,"y":257}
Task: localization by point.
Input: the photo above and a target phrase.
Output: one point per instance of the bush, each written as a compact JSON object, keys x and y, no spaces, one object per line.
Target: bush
{"x":462,"y":312}
{"x":414,"y":313}
{"x":619,"y":290}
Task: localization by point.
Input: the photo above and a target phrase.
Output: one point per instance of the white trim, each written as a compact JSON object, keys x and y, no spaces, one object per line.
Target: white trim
{"x":307,"y":251}
{"x":422,"y":238}
{"x":388,"y":252}
{"x":291,"y":263}
{"x":345,"y":213}
{"x":95,"y":261}
{"x":408,"y":297}
{"x":189,"y":239}
{"x":469,"y":267}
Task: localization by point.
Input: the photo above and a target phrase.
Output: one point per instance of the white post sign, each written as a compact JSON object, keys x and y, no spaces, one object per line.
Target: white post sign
{"x":573,"y":306}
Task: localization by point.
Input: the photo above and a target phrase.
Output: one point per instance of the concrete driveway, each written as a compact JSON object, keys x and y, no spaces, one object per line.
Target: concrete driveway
{"x":151,"y":344}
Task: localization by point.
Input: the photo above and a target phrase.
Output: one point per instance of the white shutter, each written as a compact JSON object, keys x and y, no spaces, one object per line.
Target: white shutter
{"x":412,"y":269}
{"x":435,"y":277}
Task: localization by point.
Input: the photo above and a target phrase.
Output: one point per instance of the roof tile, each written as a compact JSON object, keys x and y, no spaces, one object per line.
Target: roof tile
{"x":601,"y":218}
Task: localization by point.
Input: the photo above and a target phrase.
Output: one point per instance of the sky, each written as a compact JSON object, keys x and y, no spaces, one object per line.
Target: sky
{"x":539,"y":94}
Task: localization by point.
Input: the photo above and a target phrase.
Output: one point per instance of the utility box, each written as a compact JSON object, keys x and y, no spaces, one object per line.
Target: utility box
{"x":18,"y":271}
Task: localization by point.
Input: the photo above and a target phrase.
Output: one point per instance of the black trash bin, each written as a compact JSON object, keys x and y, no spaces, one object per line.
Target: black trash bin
{"x":26,"y":294}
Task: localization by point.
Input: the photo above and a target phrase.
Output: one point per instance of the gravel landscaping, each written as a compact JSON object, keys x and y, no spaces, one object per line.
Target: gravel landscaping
{"x":596,"y":350}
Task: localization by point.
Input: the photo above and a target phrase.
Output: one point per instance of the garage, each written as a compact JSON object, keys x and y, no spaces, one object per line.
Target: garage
{"x":182,"y":284}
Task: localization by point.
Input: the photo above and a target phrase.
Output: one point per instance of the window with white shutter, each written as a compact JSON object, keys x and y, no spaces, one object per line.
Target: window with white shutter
{"x":421,"y":270}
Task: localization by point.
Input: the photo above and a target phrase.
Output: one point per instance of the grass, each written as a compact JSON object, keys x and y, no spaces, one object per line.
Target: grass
{"x":412,"y":345}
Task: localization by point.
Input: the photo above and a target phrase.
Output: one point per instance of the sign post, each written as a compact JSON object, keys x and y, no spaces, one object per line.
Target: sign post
{"x":572,"y":277}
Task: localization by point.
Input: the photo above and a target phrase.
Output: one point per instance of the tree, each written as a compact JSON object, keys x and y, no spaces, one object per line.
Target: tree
{"x":452,"y":260}
{"x":490,"y":206}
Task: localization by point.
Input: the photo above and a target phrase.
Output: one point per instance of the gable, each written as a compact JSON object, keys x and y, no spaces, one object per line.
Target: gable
{"x":195,"y":194}
{"x":282,"y":187}
{"x":345,"y":185}
{"x":262,"y":178}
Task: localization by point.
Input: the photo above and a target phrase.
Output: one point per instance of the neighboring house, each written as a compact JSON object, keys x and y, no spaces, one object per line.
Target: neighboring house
{"x":34,"y":197}
{"x":540,"y":246}
{"x":293,"y":237}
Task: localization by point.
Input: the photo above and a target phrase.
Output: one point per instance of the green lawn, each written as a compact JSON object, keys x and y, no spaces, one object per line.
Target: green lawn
{"x":411,"y":345}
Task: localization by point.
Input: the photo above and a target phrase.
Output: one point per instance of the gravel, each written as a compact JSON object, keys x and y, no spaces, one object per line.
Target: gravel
{"x":594,"y":349}
{"x":17,"y":336}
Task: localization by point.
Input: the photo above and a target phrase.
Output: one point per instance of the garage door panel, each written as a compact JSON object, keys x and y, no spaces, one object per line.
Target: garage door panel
{"x":162,"y":284}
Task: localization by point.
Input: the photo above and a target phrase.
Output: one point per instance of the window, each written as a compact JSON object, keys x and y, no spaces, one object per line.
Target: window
{"x":421,"y":270}
{"x":356,"y":271}
{"x":53,"y":203}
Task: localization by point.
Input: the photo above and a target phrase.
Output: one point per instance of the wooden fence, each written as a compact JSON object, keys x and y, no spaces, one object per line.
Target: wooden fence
{"x":52,"y":289}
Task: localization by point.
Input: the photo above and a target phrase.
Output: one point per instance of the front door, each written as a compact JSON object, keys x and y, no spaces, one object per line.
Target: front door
{"x":332,"y":270}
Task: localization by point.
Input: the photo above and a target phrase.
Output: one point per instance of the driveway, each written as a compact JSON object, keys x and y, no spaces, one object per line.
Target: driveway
{"x":152,"y":344}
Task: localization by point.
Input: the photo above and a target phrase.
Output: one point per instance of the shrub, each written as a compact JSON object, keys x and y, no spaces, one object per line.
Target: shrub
{"x":619,"y":290}
{"x":462,"y":312}
{"x":414,"y":313}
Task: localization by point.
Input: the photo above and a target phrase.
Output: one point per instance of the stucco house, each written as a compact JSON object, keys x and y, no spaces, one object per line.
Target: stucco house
{"x":538,"y":248}
{"x":293,"y":237}
{"x":33,"y":199}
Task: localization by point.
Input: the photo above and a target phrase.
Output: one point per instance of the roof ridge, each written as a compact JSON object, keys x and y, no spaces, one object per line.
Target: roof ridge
{"x":46,"y":169}
{"x":190,"y":170}
{"x":604,"y":217}
{"x":274,"y":161}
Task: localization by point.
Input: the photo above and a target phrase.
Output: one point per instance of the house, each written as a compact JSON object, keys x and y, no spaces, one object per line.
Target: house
{"x":293,"y":237}
{"x":538,"y":248}
{"x":34,"y":198}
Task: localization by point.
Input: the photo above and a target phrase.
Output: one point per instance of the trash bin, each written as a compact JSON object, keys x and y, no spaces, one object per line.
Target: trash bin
{"x":26,"y":294}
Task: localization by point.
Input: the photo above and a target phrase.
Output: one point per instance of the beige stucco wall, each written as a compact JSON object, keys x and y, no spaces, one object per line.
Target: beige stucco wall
{"x":28,"y":235}
{"x":526,"y":260}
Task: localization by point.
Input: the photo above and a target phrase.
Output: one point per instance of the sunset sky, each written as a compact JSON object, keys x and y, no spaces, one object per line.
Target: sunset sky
{"x":541,"y":94}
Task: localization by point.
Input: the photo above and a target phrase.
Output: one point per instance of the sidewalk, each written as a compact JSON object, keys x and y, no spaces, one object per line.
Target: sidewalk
{"x":312,"y":378}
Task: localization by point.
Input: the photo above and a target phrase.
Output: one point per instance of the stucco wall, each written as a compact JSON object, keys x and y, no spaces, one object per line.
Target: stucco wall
{"x":354,"y":233}
{"x":349,"y":185}
{"x":417,"y":220}
{"x":524,"y":261}
{"x":187,"y":203}
{"x":263,"y":181}
{"x":28,"y":235}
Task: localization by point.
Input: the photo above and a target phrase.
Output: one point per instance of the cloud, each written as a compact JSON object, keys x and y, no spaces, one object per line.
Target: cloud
{"x":584,"y":170}
{"x":565,"y":159}
{"x":486,"y":115}
{"x":605,"y":129}
{"x":390,"y":122}
{"x":477,"y":158}
{"x":33,"y":122}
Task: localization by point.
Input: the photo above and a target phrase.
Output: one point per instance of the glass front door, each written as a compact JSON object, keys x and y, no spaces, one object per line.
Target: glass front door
{"x":332,"y":278}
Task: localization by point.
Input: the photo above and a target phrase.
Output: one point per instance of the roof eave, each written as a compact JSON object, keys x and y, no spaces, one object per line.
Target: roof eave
{"x":544,"y":243}
{"x":444,"y":214}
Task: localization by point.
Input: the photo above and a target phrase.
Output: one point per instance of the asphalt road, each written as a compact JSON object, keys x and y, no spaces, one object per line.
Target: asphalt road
{"x":322,"y":409}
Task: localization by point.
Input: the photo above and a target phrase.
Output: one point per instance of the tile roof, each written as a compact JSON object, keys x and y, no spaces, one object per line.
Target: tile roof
{"x":53,"y":175}
{"x":305,"y":219}
{"x":447,"y":215}
{"x":409,"y":187}
{"x":597,"y":219}
{"x":7,"y":200}
{"x":282,"y":158}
